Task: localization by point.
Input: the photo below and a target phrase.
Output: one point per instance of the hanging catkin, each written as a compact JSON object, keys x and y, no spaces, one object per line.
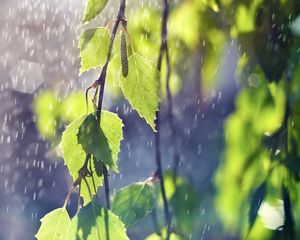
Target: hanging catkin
{"x":124,"y":59}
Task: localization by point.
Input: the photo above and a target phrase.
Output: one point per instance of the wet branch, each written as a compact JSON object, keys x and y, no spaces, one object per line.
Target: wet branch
{"x":101,"y":81}
{"x":174,"y":139}
{"x":163,"y":49}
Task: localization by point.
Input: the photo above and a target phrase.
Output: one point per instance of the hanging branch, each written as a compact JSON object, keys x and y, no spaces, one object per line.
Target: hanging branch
{"x":163,"y":49}
{"x":101,"y":82}
{"x":174,"y":142}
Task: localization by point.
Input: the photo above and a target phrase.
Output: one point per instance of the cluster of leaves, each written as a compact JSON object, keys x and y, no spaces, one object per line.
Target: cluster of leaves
{"x":100,"y":140}
{"x":91,"y":143}
{"x":260,"y":171}
{"x":91,"y":222}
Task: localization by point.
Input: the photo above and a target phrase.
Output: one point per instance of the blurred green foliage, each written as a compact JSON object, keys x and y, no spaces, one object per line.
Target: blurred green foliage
{"x":261,"y":158}
{"x":53,"y":112}
{"x":184,"y":203}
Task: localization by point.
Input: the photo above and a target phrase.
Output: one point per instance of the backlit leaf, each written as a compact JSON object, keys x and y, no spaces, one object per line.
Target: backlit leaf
{"x":141,"y":87}
{"x":82,"y":137}
{"x":55,"y":225}
{"x":93,"y":44}
{"x":74,"y":157}
{"x":93,"y":8}
{"x":94,"y":222}
{"x":103,"y":143}
{"x":133,"y":202}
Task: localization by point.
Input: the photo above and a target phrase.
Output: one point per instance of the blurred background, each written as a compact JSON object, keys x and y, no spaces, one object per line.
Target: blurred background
{"x":232,"y":61}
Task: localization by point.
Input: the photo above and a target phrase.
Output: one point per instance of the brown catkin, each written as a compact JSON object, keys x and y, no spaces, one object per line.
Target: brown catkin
{"x":124,"y":59}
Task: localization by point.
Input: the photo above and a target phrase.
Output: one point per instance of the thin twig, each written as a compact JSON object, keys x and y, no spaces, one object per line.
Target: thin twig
{"x":79,"y":200}
{"x":106,"y":186}
{"x":162,"y":50}
{"x":174,"y":139}
{"x":68,"y":196}
{"x":101,"y":79}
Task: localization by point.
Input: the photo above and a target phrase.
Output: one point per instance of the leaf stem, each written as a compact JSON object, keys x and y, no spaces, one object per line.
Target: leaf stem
{"x":106,"y":186}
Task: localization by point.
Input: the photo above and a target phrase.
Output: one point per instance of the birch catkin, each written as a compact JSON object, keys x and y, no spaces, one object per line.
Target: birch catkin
{"x":124,"y":59}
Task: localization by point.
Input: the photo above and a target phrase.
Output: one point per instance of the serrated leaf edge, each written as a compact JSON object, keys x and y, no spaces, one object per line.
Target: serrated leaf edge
{"x":58,"y":223}
{"x":159,"y":100}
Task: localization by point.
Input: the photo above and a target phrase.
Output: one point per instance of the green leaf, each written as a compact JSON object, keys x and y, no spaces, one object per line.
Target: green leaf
{"x":93,"y":44}
{"x":103,"y":143}
{"x":74,"y":157}
{"x":133,"y":202}
{"x":82,"y":137}
{"x":55,"y":225}
{"x":93,"y":8}
{"x":257,"y":198}
{"x":94,"y":222}
{"x":185,"y":205}
{"x":141,"y":87}
{"x":112,"y":125}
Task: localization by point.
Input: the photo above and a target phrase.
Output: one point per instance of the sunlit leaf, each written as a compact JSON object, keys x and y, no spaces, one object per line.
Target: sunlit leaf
{"x":244,"y":19}
{"x":141,"y":87}
{"x":82,"y":137}
{"x":133,"y":202}
{"x":93,"y":8}
{"x":94,"y":222}
{"x":74,"y":157}
{"x":102,"y":142}
{"x":55,"y":225}
{"x":93,"y":44}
